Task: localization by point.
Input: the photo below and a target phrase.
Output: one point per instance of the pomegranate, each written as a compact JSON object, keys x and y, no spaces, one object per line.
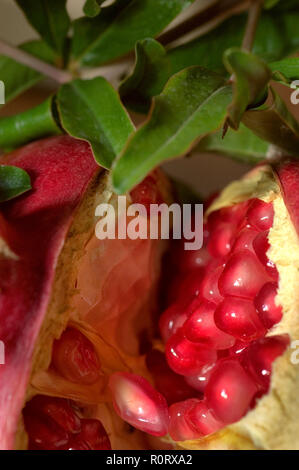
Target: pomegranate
{"x":71,"y":305}
{"x":229,"y":339}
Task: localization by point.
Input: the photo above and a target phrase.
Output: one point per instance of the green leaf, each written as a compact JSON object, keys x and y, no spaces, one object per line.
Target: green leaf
{"x":29,"y":125}
{"x":17,"y":77}
{"x":92,"y":7}
{"x":251,"y":77}
{"x":91,"y":110}
{"x":275,"y":124}
{"x":242,"y":145}
{"x":192,"y":104}
{"x":116,"y":29}
{"x":151,"y":72}
{"x":13,"y":182}
{"x":289,"y":68}
{"x":49,"y":18}
{"x":270,"y":4}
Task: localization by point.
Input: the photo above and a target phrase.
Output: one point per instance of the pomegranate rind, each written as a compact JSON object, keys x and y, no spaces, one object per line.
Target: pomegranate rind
{"x":274,"y":422}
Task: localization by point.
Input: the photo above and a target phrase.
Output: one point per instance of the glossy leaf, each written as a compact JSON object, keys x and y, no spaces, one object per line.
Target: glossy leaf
{"x":91,"y":110}
{"x":92,"y":7}
{"x":250,"y":78}
{"x":32,"y":124}
{"x":275,"y":124}
{"x":288,"y":68}
{"x":49,"y":18}
{"x":151,"y":72}
{"x":17,"y":77}
{"x":151,"y":60}
{"x":192,"y":104}
{"x":13,"y":182}
{"x":242,"y":145}
{"x":116,"y":29}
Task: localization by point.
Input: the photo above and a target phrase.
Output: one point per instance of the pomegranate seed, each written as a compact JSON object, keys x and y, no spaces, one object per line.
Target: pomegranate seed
{"x":185,"y":357}
{"x":189,"y":286}
{"x":199,"y":381}
{"x":269,"y":312}
{"x":202,"y":419}
{"x":209,"y":285}
{"x":173,"y":318}
{"x":138,"y":403}
{"x":189,"y":260}
{"x":75,"y":358}
{"x":200,"y":327}
{"x":230,"y":391}
{"x":243,"y":276}
{"x":172,"y":386}
{"x":92,"y":436}
{"x":244,"y":240}
{"x":43,"y":432}
{"x":261,"y":355}
{"x":261,"y":246}
{"x":221,"y":240}
{"x":58,"y":409}
{"x":239,"y":349}
{"x":146,"y":193}
{"x":233,"y":215}
{"x":179,"y":428}
{"x":239,"y":318}
{"x":260,"y":214}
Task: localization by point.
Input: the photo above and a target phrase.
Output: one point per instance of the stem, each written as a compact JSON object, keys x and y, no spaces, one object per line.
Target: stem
{"x":253,"y":19}
{"x":60,"y":76}
{"x":221,"y":10}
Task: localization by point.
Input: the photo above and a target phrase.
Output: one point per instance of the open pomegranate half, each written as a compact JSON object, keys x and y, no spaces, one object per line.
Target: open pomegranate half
{"x":73,"y":309}
{"x":233,"y":315}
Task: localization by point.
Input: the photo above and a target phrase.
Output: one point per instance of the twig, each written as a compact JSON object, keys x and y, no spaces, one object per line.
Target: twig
{"x":222,"y":8}
{"x":60,"y":76}
{"x":253,"y":19}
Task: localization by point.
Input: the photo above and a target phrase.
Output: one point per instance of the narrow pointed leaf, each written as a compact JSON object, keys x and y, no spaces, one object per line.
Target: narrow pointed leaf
{"x":275,"y":124}
{"x":250,"y":78}
{"x":242,"y":145}
{"x":32,"y":124}
{"x":192,"y":104}
{"x":13,"y":182}
{"x":116,"y":29}
{"x":49,"y":18}
{"x":91,"y":110}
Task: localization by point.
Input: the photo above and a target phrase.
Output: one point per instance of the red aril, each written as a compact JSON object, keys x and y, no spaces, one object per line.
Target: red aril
{"x":233,"y":215}
{"x":202,"y":419}
{"x":209,"y":286}
{"x":229,"y":391}
{"x":200,"y":327}
{"x":200,"y":380}
{"x":185,"y":357}
{"x":179,"y":428}
{"x":243,"y":276}
{"x":261,"y":355}
{"x":146,"y":192}
{"x":174,"y":317}
{"x":172,"y":386}
{"x":92,"y":437}
{"x":238,"y":317}
{"x":75,"y":358}
{"x":138,"y":403}
{"x":244,"y":240}
{"x":260,"y":214}
{"x":261,"y":246}
{"x":220,"y":241}
{"x":269,"y":312}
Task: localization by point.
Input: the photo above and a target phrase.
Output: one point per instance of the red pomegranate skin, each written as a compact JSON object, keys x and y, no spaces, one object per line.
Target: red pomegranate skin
{"x":34,"y":226}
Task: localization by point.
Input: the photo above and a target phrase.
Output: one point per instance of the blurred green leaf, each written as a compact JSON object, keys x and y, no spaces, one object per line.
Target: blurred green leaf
{"x":91,"y":110}
{"x":17,"y":77}
{"x":116,"y":29}
{"x":270,"y":4}
{"x":151,"y":72}
{"x":32,"y":124}
{"x":250,"y":79}
{"x":92,"y":7}
{"x":289,"y":68}
{"x":274,"y":123}
{"x":192,"y":104}
{"x":13,"y":182}
{"x":49,"y":18}
{"x":242,"y":145}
